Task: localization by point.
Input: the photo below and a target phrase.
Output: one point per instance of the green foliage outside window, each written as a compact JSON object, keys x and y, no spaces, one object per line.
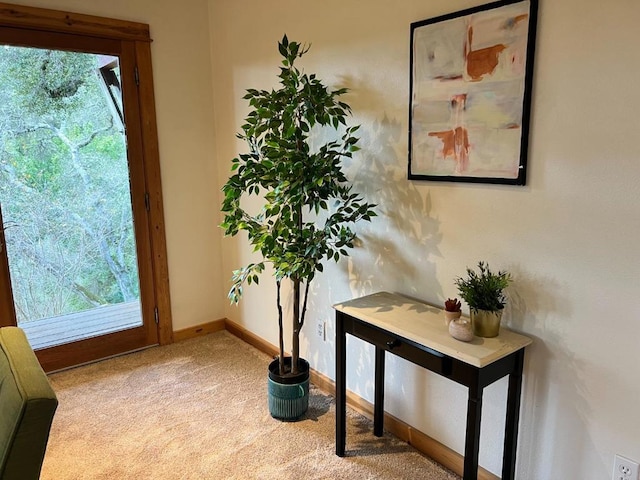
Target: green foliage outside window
{"x":64,"y":185}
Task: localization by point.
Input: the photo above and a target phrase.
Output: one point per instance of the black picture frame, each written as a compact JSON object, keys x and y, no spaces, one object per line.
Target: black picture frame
{"x":471,"y":75}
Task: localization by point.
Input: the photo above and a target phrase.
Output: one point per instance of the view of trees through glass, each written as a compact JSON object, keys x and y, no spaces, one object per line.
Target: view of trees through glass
{"x":64,"y":183}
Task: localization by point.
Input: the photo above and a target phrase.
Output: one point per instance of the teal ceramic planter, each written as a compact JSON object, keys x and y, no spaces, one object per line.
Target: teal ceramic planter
{"x":288,"y":395}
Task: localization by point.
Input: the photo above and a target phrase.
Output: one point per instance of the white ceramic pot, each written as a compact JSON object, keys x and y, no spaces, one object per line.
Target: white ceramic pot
{"x":461,"y":329}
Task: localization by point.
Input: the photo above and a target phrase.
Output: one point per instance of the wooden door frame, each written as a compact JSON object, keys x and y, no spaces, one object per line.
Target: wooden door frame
{"x":136,"y":41}
{"x":7,"y":308}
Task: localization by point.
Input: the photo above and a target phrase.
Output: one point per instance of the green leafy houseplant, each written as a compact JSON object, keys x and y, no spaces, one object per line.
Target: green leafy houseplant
{"x":483,"y":290}
{"x":309,"y":207}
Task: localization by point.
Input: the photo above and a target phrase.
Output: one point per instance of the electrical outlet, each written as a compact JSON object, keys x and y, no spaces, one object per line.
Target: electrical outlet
{"x":624,"y":469}
{"x":320,"y":329}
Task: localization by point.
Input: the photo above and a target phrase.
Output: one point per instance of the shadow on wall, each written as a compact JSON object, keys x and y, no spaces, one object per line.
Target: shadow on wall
{"x":548,"y":438}
{"x":400,"y":242}
{"x":394,"y":251}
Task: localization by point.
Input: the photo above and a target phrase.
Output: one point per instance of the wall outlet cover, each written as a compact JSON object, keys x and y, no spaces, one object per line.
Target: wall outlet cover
{"x":624,"y":469}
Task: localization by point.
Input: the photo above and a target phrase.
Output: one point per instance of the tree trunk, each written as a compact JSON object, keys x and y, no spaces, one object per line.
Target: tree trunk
{"x":280,"y":333}
{"x":295,"y":344}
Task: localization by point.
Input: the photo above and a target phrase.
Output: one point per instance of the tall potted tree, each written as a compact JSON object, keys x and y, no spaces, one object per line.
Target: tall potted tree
{"x":309,"y":207}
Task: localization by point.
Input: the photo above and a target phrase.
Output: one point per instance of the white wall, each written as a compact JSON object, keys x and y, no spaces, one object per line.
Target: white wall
{"x":182,"y":78}
{"x":570,"y":237}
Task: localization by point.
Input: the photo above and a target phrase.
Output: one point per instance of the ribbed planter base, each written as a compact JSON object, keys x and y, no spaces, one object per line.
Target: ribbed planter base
{"x":486,"y":323}
{"x":288,"y":394}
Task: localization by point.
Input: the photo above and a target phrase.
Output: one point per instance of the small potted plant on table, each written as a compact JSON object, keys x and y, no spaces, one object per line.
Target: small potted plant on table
{"x":484,"y":293}
{"x":452,"y":310}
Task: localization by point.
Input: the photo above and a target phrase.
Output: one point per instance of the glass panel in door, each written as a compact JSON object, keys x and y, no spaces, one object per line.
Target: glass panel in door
{"x":65,"y":195}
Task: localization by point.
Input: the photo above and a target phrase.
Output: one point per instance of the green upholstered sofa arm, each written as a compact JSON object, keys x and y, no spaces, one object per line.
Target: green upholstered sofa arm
{"x":27,"y":406}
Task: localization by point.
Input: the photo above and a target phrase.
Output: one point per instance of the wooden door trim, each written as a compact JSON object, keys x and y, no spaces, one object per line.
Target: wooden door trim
{"x":151,"y":154}
{"x":34,"y":18}
{"x":137,"y":165}
{"x":97,"y":348}
{"x":7,"y":308}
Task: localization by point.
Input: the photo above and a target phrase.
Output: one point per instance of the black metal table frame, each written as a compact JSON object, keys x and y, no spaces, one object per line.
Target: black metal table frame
{"x":475,"y":378}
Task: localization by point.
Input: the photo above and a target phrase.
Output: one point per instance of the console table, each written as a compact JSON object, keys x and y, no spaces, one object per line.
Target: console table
{"x":416,"y":332}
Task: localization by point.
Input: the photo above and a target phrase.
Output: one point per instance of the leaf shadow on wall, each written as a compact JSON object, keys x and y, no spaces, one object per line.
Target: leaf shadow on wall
{"x":395,"y":249}
{"x":554,"y":392}
{"x":394,"y":252}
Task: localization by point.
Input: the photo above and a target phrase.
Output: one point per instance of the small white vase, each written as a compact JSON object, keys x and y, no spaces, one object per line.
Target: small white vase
{"x":461,"y":330}
{"x":448,"y":316}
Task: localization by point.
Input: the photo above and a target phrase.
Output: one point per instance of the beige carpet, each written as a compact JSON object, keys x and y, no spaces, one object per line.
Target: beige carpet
{"x":197,"y":410}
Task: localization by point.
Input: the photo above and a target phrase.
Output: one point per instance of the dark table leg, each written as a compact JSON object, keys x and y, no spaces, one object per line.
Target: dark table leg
{"x":472,"y":442}
{"x":378,"y":404}
{"x":513,"y":415}
{"x":341,"y":384}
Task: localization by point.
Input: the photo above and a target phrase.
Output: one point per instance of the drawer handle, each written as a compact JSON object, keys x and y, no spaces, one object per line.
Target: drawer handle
{"x":393,"y":344}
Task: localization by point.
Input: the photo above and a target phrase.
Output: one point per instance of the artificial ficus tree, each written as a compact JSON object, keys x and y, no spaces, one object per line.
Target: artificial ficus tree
{"x":309,"y":207}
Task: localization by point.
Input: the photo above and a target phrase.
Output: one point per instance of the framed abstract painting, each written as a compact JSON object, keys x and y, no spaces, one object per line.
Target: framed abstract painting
{"x":471,"y":79}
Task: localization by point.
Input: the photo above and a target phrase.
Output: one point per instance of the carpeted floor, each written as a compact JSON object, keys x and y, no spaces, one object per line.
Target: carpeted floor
{"x":197,"y":410}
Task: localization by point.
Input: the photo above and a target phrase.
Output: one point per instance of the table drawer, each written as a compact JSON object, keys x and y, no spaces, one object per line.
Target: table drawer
{"x":418,"y":354}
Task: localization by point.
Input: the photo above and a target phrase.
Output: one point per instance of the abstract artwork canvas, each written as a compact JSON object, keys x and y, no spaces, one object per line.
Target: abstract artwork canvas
{"x":471,"y":78}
